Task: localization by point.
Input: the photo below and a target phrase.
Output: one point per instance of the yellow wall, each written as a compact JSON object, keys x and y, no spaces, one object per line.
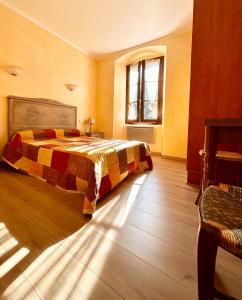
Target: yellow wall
{"x":105,"y":97}
{"x":171,"y":138}
{"x":48,"y":64}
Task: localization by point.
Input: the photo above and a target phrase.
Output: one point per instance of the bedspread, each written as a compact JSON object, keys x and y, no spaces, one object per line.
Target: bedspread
{"x":74,"y":162}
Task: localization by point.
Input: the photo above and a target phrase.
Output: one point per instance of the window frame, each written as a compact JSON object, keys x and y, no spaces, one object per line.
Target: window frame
{"x":140,"y":94}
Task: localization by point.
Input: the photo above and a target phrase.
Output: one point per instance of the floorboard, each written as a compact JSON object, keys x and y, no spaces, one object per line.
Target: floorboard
{"x":140,"y":243}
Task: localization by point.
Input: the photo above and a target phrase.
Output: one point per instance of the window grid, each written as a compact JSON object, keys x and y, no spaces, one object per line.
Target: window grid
{"x":142,"y":101}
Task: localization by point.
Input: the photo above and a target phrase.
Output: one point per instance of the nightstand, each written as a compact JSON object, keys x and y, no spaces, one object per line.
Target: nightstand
{"x":97,"y":134}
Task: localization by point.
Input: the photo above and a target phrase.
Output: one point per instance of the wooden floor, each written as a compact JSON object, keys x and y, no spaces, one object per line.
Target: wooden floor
{"x":140,"y":244}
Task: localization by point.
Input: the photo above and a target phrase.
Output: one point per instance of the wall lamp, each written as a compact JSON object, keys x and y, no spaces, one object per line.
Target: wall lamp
{"x":13,"y":70}
{"x":71,"y":86}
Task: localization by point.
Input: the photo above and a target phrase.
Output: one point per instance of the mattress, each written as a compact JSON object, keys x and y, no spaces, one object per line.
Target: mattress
{"x":74,"y":162}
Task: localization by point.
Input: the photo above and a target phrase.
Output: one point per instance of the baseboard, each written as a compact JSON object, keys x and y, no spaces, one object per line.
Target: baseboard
{"x":155,"y":153}
{"x":173,"y":157}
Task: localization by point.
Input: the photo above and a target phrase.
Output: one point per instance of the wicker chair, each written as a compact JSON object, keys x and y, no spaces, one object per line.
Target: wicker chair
{"x":220,"y":210}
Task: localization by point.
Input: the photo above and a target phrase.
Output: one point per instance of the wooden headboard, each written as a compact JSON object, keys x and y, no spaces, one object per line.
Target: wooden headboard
{"x":36,"y":113}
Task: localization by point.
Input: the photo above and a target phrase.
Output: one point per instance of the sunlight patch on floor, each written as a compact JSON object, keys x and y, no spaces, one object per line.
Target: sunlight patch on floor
{"x":70,"y":268}
{"x":7,"y":242}
{"x":64,"y":274}
{"x":128,"y":205}
{"x":11,"y":262}
{"x":17,"y":289}
{"x":140,"y":180}
{"x":131,"y":199}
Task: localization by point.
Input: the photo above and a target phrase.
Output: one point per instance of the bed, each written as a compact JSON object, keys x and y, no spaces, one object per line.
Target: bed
{"x":45,"y":143}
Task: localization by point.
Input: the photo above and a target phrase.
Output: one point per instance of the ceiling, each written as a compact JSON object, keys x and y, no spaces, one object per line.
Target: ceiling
{"x":100,"y":27}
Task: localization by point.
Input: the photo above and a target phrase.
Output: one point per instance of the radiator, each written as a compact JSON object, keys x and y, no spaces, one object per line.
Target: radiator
{"x":143,"y":134}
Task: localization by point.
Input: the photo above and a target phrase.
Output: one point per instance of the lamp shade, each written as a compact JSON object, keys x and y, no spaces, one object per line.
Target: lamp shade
{"x":91,"y":121}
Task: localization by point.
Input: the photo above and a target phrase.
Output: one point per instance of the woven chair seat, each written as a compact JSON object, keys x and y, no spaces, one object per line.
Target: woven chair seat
{"x":221,"y":211}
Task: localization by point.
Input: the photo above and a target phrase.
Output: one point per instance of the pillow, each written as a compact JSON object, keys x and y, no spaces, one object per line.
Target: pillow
{"x":73,"y":132}
{"x":43,"y":134}
{"x":26,"y":134}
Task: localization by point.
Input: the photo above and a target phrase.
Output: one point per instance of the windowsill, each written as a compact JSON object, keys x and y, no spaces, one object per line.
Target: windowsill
{"x":143,"y":125}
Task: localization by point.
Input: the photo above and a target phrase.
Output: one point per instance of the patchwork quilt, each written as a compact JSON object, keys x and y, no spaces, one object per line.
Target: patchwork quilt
{"x":74,"y":162}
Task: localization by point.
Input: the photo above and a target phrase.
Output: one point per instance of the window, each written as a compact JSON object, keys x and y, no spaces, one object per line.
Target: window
{"x":144,"y":85}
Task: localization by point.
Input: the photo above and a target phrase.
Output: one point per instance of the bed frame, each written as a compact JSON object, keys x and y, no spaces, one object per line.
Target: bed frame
{"x":37,"y":113}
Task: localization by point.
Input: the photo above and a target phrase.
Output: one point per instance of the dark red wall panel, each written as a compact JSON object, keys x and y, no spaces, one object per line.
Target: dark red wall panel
{"x":216,"y":71}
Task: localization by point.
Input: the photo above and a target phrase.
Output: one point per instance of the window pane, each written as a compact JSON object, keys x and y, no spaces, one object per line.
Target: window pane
{"x":150,"y":110}
{"x":147,"y":93}
{"x":132,"y":113}
{"x":133,"y":92}
{"x":151,"y":91}
{"x":133,"y":74}
{"x":152,"y":70}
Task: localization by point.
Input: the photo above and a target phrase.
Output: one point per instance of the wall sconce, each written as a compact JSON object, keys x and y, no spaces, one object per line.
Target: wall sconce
{"x":71,"y":86}
{"x":13,"y":70}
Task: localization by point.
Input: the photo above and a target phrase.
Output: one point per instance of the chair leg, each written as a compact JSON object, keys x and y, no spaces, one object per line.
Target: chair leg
{"x":206,"y":260}
{"x":198,"y":197}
